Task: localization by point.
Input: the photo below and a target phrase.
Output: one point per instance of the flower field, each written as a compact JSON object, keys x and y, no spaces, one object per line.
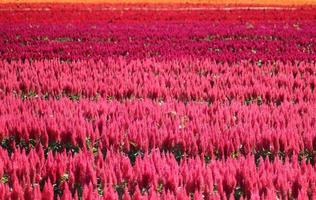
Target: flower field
{"x":157,"y":101}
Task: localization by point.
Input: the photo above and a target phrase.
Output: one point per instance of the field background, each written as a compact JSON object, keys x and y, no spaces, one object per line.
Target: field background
{"x":256,"y":2}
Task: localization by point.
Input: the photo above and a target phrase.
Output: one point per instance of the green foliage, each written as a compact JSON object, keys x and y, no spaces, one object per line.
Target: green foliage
{"x":160,"y":187}
{"x":78,"y":188}
{"x":259,"y":100}
{"x":64,"y":39}
{"x":259,"y":63}
{"x":64,"y":177}
{"x":92,"y":147}
{"x":58,"y":191}
{"x":120,"y":188}
{"x":235,"y":154}
{"x":74,"y":97}
{"x":59,"y":147}
{"x":178,"y":152}
{"x":5,"y":178}
{"x":100,"y":187}
{"x":5,"y":143}
{"x":307,"y":155}
{"x":207,"y":158}
{"x":218,"y":154}
{"x":238,"y":193}
{"x":133,"y":153}
{"x":27,"y":95}
{"x":248,"y":100}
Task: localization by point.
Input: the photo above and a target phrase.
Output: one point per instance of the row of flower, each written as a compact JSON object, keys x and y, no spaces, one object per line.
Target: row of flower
{"x":286,"y":40}
{"x":217,"y":131}
{"x":75,"y":13}
{"x":40,"y":175}
{"x":183,"y":79}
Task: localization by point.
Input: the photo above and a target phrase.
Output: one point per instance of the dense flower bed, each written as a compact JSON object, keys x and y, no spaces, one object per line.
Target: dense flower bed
{"x":285,"y":41}
{"x":157,"y":102}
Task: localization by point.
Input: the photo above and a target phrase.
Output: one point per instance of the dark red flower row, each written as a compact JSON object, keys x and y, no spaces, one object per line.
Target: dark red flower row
{"x":286,"y":41}
{"x":109,"y":13}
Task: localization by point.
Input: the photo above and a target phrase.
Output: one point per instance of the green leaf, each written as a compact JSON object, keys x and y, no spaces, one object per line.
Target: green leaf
{"x":64,"y":177}
{"x":5,"y":179}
